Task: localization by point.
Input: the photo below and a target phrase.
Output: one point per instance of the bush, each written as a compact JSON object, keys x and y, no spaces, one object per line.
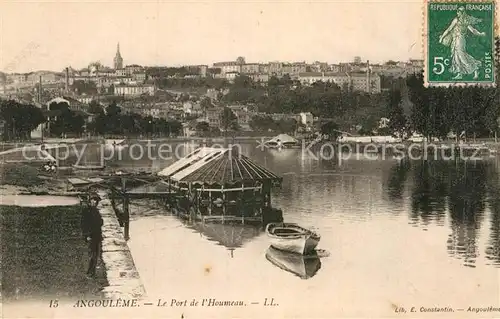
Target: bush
{"x":18,"y":175}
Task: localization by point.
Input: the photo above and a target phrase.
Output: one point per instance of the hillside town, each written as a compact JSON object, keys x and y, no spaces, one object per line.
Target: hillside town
{"x":196,"y":95}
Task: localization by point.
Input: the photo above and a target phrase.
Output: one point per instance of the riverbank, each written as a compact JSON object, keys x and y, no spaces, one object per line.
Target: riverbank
{"x":42,"y":233}
{"x":18,"y":179}
{"x":44,"y":255}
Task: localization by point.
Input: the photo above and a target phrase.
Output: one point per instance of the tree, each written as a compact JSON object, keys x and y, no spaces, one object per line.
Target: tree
{"x":262,"y":123}
{"x":206,"y":104}
{"x":113,"y":109}
{"x":228,"y":120}
{"x":331,"y":129}
{"x":214,"y":71}
{"x":240,"y":60}
{"x":95,"y":108}
{"x":174,"y":127}
{"x":287,"y":125}
{"x":184,"y":97}
{"x":113,"y":119}
{"x":243,"y":81}
{"x":19,"y":119}
{"x":397,"y":119}
{"x":286,"y":80}
{"x":368,"y":125}
{"x":83,"y":87}
{"x":273,"y":81}
{"x":438,"y":110}
{"x":202,"y":126}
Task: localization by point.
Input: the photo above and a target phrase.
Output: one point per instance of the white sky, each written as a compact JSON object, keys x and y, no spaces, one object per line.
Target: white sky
{"x":50,"y":35}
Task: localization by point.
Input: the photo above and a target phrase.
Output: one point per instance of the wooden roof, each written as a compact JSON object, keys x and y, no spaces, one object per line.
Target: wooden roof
{"x":217,"y":166}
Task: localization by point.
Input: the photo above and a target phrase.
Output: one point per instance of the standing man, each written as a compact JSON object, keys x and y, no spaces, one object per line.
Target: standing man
{"x":91,"y":228}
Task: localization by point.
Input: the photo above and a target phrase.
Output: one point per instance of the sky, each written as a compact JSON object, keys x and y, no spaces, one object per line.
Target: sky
{"x":51,"y":35}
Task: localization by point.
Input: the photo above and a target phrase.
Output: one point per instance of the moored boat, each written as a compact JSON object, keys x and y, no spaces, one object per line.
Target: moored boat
{"x":292,"y":238}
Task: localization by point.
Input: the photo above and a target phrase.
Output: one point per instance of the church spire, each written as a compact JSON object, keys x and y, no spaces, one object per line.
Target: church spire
{"x":118,"y":60}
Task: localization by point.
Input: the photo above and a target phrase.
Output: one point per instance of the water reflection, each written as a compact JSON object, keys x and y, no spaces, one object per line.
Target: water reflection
{"x":302,"y":266}
{"x":398,"y":176}
{"x":428,"y":199}
{"x":466,"y":205}
{"x":460,"y":190}
{"x":228,"y":235}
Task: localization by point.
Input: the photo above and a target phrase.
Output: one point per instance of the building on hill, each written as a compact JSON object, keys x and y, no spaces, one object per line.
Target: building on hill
{"x":139,"y":77}
{"x":260,"y":78}
{"x":133,"y":68}
{"x":294,"y":68}
{"x":357,"y":81}
{"x":228,"y":67}
{"x":212,"y":116}
{"x":306,"y":118}
{"x":250,"y":68}
{"x":231,"y":76}
{"x":134,"y":89}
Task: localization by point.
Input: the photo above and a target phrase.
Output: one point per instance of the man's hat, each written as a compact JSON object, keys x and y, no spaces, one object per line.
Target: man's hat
{"x":93,"y":195}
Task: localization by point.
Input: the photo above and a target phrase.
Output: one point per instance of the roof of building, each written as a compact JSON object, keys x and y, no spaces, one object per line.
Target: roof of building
{"x":334,"y":74}
{"x":133,"y":85}
{"x":229,"y":63}
{"x":216,"y":166}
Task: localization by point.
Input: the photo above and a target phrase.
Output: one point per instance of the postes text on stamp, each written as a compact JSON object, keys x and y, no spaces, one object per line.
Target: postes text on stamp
{"x":460,"y":42}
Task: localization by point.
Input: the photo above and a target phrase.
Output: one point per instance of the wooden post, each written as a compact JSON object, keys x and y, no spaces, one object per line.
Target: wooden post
{"x":126,"y":216}
{"x":126,"y":212}
{"x":240,"y":205}
{"x":263,"y":203}
{"x":210,"y":203}
{"x":223,"y":203}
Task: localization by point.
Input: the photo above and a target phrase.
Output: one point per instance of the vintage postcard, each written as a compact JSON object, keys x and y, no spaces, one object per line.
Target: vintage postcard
{"x":249,"y":159}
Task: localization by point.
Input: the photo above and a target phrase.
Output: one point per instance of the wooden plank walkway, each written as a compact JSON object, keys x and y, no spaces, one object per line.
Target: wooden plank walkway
{"x":123,"y":277}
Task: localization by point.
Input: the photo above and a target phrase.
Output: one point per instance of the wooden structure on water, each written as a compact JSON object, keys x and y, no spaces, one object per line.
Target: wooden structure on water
{"x":220,"y":184}
{"x":207,"y":185}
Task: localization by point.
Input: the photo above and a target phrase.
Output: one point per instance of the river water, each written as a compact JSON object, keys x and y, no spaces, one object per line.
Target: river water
{"x":421,"y":233}
{"x":413,"y":234}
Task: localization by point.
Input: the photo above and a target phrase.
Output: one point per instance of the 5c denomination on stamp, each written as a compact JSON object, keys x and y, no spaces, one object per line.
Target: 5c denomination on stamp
{"x":460,"y":37}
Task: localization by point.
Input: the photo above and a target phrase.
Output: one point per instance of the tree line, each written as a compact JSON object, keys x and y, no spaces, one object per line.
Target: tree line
{"x":437,"y":111}
{"x":19,"y":120}
{"x":112,"y":121}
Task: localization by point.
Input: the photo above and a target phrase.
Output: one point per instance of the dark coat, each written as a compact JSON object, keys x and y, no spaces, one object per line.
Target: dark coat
{"x":92,"y":223}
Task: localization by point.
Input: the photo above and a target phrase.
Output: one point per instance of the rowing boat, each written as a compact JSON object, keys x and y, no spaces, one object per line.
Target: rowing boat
{"x":292,"y":238}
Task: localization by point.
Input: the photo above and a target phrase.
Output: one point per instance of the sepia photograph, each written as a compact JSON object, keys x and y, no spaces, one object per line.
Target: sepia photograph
{"x":249,"y":159}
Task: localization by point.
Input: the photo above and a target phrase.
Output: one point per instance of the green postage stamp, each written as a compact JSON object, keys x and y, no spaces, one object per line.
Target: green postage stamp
{"x":460,"y":42}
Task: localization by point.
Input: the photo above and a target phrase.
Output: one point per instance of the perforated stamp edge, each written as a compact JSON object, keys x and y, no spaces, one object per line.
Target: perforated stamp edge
{"x":425,"y":5}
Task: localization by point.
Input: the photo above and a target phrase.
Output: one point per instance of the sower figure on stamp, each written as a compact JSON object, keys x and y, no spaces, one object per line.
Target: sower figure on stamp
{"x":462,"y":63}
{"x":92,"y":232}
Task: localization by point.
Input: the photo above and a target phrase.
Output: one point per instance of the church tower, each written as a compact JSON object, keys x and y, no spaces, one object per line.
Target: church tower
{"x":118,"y":60}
